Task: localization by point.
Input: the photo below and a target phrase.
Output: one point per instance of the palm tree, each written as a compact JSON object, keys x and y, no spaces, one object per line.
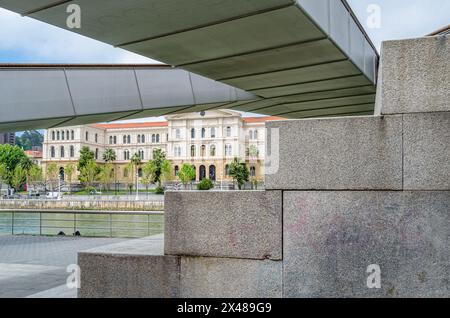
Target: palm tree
{"x":136,"y":162}
{"x":109,"y":156}
{"x":26,"y":164}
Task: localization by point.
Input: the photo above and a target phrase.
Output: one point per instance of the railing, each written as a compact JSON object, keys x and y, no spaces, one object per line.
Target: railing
{"x":83,"y":223}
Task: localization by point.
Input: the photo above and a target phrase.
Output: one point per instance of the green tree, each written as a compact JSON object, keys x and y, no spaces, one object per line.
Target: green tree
{"x":52,"y":174}
{"x":128,"y":176}
{"x":186,"y":174}
{"x":239,"y":172}
{"x":161,"y":169}
{"x":3,"y":175}
{"x":86,"y":155}
{"x":69,"y":171}
{"x":18,"y":177}
{"x":147,"y":174}
{"x":29,"y":139}
{"x":105,"y":175}
{"x":205,"y":184}
{"x":109,"y":156}
{"x":11,"y":156}
{"x":88,"y":173}
{"x":35,"y":175}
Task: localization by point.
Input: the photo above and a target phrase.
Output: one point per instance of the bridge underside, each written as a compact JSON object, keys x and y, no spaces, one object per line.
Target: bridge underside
{"x":304,"y":58}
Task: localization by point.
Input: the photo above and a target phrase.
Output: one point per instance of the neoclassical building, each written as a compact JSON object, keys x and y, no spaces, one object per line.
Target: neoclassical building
{"x":209,"y":141}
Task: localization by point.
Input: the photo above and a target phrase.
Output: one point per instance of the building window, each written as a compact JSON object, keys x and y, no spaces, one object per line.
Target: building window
{"x":228,"y":150}
{"x":140,"y":172}
{"x":115,"y":139}
{"x":203,"y":150}
{"x":213,"y":132}
{"x":62,"y":135}
{"x":141,"y":154}
{"x":125,"y":173}
{"x":203,"y":133}
{"x":96,"y":138}
{"x":126,"y":155}
{"x":192,"y":151}
{"x":177,"y":151}
{"x":57,"y":135}
{"x":67,"y":135}
{"x":255,"y":134}
{"x":124,"y":139}
{"x":195,"y":172}
{"x":96,"y":154}
{"x":72,"y":135}
{"x":61,"y":173}
{"x":110,"y":140}
{"x":250,"y":134}
{"x":153,"y":138}
{"x":177,"y":170}
{"x":72,"y":151}
{"x":62,"y":151}
{"x":253,"y":171}
{"x":227,"y":170}
{"x":212,"y":172}
{"x":228,"y":131}
{"x":157,"y":138}
{"x":139,"y":139}
{"x":143,"y":139}
{"x":212,"y":151}
{"x":193,"y":133}
{"x":177,"y":133}
{"x":128,"y":139}
{"x":52,"y":152}
{"x":53,"y":135}
{"x":202,"y":172}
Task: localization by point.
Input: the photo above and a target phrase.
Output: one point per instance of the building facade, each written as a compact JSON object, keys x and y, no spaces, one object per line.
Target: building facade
{"x":8,"y":138}
{"x":208,"y":141}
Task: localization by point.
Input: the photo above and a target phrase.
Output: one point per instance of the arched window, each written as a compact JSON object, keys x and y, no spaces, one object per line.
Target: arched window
{"x":255,"y":134}
{"x":67,"y":135}
{"x":251,"y":134}
{"x":72,"y":135}
{"x":115,"y":139}
{"x":213,"y":132}
{"x":227,"y":170}
{"x":140,"y":172}
{"x":126,"y":155}
{"x":193,"y":133}
{"x":177,"y":151}
{"x":72,"y":151}
{"x":87,"y":136}
{"x":139,"y":139}
{"x":141,"y":154}
{"x":110,"y":140}
{"x":203,"y":133}
{"x":153,"y":138}
{"x":57,"y":135}
{"x":62,"y":135}
{"x":96,"y":138}
{"x":177,"y":133}
{"x":128,"y":139}
{"x":124,"y":139}
{"x":203,"y":150}
{"x":212,"y":151}
{"x":176,"y":170}
{"x":62,"y":151}
{"x":157,"y":138}
{"x":53,"y":135}
{"x":52,"y":152}
{"x":212,"y":172}
{"x":228,"y":132}
{"x":252,"y":171}
{"x":61,"y":173}
{"x":96,"y":153}
{"x":202,"y":172}
{"x":143,"y":139}
{"x":192,"y":151}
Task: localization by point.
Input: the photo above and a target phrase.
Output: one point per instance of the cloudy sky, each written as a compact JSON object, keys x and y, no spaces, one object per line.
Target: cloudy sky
{"x":24,"y":40}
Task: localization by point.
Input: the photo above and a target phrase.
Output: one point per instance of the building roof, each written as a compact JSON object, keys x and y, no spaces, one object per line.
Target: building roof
{"x":442,"y":31}
{"x":261,"y":119}
{"x":132,"y":125}
{"x":34,"y":153}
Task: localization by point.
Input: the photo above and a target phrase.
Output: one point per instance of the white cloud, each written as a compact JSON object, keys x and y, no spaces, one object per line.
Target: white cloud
{"x":35,"y":41}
